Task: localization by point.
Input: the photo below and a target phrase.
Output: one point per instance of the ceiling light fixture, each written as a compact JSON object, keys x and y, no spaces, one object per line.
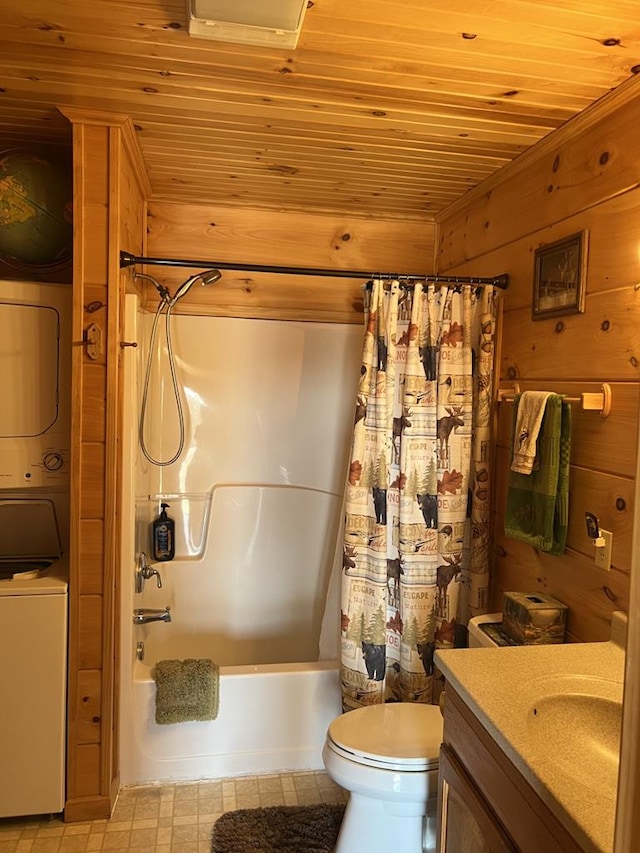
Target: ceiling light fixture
{"x":271,"y":23}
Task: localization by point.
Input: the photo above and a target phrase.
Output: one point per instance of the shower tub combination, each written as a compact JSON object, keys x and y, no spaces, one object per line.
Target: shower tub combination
{"x":256,"y":497}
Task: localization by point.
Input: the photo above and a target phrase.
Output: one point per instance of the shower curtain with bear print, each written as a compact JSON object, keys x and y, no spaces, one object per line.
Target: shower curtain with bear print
{"x":415,"y":561}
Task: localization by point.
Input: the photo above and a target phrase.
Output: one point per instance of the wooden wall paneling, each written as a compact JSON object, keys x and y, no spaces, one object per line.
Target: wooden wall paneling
{"x":269,"y":296}
{"x":96,"y":259}
{"x":92,"y":769}
{"x":80,"y":777}
{"x":90,"y":630}
{"x":96,"y":164}
{"x":134,"y":190}
{"x":227,"y":235}
{"x":603,"y":444}
{"x":91,"y":581}
{"x":592,"y":491}
{"x":85,"y":778}
{"x":94,"y":280}
{"x":590,"y":593}
{"x":601,"y":344}
{"x":499,"y":226}
{"x":109,"y":662}
{"x":587,"y":161}
{"x":90,"y":706}
{"x":95,"y":297}
{"x":612,"y":500}
{"x":611,"y":225}
{"x":94,"y":383}
{"x":272,"y":237}
{"x":92,"y":475}
{"x":130,"y":203}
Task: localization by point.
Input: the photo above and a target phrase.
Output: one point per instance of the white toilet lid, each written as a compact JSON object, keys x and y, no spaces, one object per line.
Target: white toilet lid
{"x":404,"y":735}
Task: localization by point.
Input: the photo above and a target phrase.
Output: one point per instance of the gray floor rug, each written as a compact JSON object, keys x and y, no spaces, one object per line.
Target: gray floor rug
{"x":278,"y":829}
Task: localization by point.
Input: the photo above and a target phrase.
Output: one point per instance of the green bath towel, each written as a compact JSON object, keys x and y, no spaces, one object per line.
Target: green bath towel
{"x":186,"y":690}
{"x":538,"y":503}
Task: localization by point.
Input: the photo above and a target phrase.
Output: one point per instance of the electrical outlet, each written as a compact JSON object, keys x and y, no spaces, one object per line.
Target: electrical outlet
{"x":603,"y":552}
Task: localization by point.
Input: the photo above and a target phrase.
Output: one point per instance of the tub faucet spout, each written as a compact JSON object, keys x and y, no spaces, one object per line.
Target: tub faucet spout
{"x":143,"y":615}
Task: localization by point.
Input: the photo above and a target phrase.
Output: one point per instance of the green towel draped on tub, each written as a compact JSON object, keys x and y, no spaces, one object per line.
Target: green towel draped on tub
{"x":538,"y":503}
{"x":186,"y":690}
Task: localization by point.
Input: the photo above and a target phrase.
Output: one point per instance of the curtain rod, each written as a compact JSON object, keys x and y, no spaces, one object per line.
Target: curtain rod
{"x":128,"y":260}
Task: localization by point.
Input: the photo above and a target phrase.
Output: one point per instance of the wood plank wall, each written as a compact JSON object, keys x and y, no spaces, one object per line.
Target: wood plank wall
{"x":108,"y":211}
{"x":264,"y":237}
{"x":584,"y":176}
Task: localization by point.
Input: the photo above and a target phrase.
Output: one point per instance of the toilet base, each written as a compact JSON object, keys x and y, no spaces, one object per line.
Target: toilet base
{"x":373,"y":826}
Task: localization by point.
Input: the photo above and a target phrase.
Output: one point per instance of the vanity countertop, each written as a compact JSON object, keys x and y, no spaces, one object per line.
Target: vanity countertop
{"x":542,"y":704}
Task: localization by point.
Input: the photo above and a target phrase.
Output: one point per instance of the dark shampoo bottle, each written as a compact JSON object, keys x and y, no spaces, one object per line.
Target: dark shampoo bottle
{"x":163,"y":530}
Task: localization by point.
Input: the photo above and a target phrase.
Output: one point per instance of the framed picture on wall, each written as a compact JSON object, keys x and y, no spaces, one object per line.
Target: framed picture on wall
{"x":559,"y":277}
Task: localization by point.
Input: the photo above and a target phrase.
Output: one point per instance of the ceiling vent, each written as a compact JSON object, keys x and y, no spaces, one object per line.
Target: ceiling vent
{"x":270,"y":23}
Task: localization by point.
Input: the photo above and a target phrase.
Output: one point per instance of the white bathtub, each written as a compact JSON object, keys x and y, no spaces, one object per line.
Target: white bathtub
{"x":272,"y":717}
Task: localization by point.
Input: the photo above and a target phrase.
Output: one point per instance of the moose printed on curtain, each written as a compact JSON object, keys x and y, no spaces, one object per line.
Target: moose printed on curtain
{"x":420,"y":448}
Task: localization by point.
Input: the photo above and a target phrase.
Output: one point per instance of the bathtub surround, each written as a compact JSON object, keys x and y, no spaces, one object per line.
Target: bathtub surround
{"x":186,"y":690}
{"x":278,"y":829}
{"x":256,"y":498}
{"x":413,"y":567}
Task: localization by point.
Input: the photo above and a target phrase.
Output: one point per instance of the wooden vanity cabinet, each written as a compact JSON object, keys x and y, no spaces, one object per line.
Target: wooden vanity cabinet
{"x":465,"y":822}
{"x":484,"y":803}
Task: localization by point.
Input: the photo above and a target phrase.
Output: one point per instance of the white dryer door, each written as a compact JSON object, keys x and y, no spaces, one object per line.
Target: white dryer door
{"x":29,"y":369}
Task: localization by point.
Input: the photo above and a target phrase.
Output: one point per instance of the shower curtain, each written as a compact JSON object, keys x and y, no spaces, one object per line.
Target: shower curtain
{"x":416,"y":537}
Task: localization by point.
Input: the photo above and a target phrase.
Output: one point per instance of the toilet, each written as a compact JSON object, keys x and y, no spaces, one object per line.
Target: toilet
{"x":386,"y":756}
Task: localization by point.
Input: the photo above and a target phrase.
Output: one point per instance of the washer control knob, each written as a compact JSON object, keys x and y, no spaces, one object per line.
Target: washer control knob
{"x":53,"y":461}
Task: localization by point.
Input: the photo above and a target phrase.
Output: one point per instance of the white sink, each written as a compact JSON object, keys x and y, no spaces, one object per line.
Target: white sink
{"x":574,"y":725}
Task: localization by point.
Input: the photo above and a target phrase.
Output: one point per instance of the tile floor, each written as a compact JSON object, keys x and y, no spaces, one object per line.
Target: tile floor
{"x":174,"y":818}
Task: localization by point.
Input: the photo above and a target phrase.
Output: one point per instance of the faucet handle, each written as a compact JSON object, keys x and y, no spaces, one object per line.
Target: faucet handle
{"x":139,"y":572}
{"x":145,"y":571}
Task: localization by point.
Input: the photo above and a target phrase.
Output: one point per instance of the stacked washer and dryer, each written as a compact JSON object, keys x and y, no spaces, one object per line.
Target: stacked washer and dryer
{"x":35,"y":364}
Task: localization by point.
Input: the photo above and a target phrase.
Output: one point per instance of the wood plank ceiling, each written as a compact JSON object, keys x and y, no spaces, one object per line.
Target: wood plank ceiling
{"x":389,"y":108}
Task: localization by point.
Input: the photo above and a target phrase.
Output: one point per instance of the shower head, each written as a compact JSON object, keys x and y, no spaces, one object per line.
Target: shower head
{"x":207,"y":277}
{"x":210,"y":277}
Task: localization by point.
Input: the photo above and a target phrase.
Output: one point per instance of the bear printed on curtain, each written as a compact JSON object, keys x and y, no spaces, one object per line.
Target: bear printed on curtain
{"x":406,"y":496}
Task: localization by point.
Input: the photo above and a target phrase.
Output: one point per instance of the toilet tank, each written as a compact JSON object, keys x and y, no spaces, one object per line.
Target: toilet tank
{"x":478,"y":637}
